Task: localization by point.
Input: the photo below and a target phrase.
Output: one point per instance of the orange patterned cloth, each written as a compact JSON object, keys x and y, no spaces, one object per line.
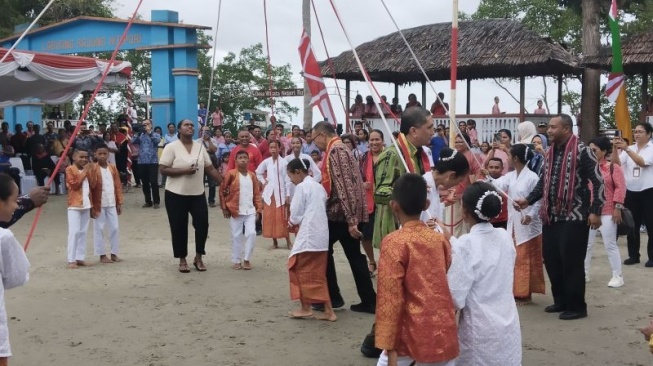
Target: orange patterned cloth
{"x":307,"y":271}
{"x":275,"y":221}
{"x":529,"y":271}
{"x":415,"y":313}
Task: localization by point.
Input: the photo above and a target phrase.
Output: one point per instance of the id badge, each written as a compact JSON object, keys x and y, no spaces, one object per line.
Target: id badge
{"x":636,"y":172}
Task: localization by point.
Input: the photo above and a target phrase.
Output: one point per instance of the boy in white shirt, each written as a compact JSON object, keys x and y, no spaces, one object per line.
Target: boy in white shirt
{"x":107,"y":204}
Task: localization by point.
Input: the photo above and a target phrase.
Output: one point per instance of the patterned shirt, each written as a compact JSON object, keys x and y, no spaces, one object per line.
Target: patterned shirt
{"x":415,"y":312}
{"x":347,"y":200}
{"x":25,"y":205}
{"x":148,"y":147}
{"x":587,"y":170}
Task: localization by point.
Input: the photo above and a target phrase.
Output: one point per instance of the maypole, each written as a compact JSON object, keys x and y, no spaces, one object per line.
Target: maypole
{"x":454,"y":74}
{"x":132,"y":117}
{"x":616,"y":88}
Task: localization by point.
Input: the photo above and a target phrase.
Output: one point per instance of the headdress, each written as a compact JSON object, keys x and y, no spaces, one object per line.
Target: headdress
{"x":479,"y":205}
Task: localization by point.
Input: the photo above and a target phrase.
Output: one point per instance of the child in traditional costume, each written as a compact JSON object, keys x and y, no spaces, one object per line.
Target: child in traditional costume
{"x":524,"y":228}
{"x":450,"y":169}
{"x":240,"y":200}
{"x":309,"y":254}
{"x":272,"y":175}
{"x":14,"y":266}
{"x":415,"y":316}
{"x":481,"y":279}
{"x":79,"y":181}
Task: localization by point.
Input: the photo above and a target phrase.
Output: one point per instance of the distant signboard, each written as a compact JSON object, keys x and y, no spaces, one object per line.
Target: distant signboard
{"x":279,"y":93}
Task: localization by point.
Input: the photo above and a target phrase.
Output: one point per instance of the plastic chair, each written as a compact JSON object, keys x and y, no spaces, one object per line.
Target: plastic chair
{"x":27,"y":182}
{"x":62,"y":178}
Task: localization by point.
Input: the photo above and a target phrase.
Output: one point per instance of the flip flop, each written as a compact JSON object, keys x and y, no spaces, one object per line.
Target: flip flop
{"x":183,"y":268}
{"x":236,"y":266}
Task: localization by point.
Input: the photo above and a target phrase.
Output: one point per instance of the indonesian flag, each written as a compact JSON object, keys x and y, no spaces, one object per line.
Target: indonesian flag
{"x":311,"y":72}
{"x":615,"y":89}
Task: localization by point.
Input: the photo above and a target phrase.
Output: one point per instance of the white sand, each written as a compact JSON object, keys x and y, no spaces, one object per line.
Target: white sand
{"x":143,"y":312}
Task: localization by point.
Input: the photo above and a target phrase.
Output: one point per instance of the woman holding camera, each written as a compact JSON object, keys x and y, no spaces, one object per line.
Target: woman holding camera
{"x":637,"y":163}
{"x":184,"y":162}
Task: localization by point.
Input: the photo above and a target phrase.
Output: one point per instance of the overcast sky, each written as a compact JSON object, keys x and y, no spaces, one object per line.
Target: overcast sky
{"x":242,"y":25}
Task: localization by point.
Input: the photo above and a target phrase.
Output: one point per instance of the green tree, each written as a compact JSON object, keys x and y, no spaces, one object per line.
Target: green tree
{"x":238,"y":75}
{"x":15,"y":12}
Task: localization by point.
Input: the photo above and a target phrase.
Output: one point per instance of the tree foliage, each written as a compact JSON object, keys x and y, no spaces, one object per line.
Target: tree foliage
{"x":238,"y":75}
{"x":16,"y":12}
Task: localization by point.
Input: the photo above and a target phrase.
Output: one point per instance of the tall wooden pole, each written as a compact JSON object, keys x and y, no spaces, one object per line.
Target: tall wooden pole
{"x":308,"y":110}
{"x":453,"y":127}
{"x":591,"y":43}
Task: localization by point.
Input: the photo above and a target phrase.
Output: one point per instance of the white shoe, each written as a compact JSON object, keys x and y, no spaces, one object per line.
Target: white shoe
{"x":616,"y":281}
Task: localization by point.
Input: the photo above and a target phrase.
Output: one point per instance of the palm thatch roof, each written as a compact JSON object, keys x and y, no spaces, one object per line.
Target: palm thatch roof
{"x":486,"y":49}
{"x":637,"y":52}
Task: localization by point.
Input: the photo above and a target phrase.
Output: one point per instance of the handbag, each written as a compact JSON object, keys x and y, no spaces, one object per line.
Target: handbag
{"x":627,"y":221}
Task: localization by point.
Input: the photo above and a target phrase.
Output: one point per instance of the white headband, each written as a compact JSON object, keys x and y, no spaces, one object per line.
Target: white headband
{"x":479,"y":205}
{"x":526,"y":154}
{"x":303,"y":164}
{"x":449,"y":158}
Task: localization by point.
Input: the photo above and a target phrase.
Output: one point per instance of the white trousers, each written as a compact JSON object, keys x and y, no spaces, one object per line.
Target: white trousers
{"x":407,"y":361}
{"x":77,"y":228}
{"x":238,"y":235}
{"x":108,"y":218}
{"x":608,"y":231}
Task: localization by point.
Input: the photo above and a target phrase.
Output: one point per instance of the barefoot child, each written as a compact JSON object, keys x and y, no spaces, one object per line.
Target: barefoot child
{"x":309,"y":255}
{"x":480,"y":280}
{"x":78,"y":184}
{"x":107,"y":204}
{"x":240,"y":199}
{"x":14,"y":266}
{"x":413,"y":275}
{"x":272,"y":175}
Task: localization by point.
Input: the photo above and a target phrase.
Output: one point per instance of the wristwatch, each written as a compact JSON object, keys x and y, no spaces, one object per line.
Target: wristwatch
{"x":619,"y":206}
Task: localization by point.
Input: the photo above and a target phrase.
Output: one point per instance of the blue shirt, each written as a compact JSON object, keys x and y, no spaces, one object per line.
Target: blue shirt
{"x":224,"y":148}
{"x":149,"y":144}
{"x":168,"y":139}
{"x":309,"y":148}
{"x":437,"y":143}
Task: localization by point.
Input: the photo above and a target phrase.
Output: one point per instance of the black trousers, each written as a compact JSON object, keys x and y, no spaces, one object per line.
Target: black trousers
{"x":150,"y":179}
{"x":178,"y":207}
{"x":136,"y":171}
{"x":339,"y":231}
{"x":641,"y":205}
{"x":564,"y":245}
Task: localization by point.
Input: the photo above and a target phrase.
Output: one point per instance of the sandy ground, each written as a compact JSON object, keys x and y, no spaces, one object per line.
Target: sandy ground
{"x":143,"y":312}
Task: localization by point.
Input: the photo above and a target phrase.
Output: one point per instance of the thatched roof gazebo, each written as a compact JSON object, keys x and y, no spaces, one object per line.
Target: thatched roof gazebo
{"x":637,"y":53}
{"x":490,"y":48}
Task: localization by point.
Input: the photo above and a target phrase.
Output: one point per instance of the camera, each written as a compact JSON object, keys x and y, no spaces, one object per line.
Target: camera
{"x":138,"y":128}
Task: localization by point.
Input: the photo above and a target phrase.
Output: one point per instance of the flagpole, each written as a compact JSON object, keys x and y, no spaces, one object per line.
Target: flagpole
{"x":454,"y":73}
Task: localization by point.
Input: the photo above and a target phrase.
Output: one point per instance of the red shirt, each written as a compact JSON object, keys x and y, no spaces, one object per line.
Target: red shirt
{"x":503,"y":216}
{"x":255,"y":157}
{"x":264,"y":149}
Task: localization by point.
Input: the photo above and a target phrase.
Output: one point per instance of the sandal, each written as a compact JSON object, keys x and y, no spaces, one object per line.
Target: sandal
{"x":371,"y":267}
{"x":183,"y":268}
{"x":237,"y":266}
{"x":199,"y":265}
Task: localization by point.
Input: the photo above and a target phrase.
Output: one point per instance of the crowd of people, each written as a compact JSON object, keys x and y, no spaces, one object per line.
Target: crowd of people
{"x":449,"y":220}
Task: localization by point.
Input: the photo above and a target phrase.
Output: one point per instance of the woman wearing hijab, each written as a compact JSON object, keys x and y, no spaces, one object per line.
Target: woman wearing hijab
{"x":540,"y":145}
{"x":525,"y":132}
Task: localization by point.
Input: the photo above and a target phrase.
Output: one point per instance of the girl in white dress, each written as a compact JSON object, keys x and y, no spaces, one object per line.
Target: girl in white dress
{"x":272,"y":175}
{"x":14,"y":267}
{"x":308,"y":258}
{"x":480,"y":280}
{"x":450,"y":169}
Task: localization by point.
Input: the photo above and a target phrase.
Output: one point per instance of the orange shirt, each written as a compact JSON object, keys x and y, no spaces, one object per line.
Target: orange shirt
{"x":415,"y":313}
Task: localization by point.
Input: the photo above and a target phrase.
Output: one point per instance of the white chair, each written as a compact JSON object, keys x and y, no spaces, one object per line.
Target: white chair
{"x":62,"y":178}
{"x":27,"y":182}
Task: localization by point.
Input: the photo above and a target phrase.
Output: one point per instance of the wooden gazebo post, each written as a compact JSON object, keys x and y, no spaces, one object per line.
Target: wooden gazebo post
{"x":644,"y":97}
{"x":424,"y":94}
{"x":397,"y":91}
{"x":559,"y":94}
{"x":347,"y":99}
{"x":468,"y":110}
{"x":522,"y":96}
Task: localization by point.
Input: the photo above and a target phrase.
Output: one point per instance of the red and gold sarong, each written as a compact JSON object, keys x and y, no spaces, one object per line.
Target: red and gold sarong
{"x":307,"y":272}
{"x":275,"y":221}
{"x":529,"y":271}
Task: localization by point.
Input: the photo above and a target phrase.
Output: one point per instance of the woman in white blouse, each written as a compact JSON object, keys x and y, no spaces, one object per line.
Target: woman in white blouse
{"x":524,"y":227}
{"x":637,"y":163}
{"x":14,"y":266}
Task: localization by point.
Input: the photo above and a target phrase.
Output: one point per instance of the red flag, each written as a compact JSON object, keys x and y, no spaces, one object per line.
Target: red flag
{"x":313,"y":76}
